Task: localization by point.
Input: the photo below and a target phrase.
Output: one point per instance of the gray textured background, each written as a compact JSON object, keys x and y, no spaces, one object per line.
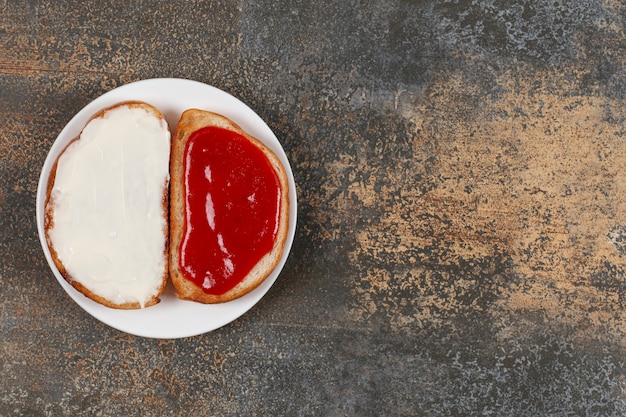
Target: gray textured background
{"x":461,"y":239}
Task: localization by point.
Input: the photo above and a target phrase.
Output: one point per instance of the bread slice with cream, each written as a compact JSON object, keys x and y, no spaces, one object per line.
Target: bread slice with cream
{"x":229,"y":206}
{"x":106,"y":215}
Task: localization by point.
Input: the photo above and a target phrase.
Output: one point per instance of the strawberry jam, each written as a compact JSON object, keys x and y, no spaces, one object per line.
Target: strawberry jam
{"x":232,"y":208}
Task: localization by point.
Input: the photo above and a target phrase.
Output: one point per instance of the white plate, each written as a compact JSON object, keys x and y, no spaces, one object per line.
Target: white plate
{"x":171,"y":318}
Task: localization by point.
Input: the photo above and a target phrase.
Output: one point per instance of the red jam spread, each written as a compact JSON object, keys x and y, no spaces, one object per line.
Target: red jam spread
{"x":232,"y":208}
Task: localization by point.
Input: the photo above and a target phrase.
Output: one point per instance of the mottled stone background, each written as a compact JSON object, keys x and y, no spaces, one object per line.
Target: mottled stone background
{"x":461,"y":243}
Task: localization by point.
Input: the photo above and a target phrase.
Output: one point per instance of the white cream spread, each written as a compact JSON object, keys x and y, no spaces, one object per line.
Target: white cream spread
{"x":108,"y":219}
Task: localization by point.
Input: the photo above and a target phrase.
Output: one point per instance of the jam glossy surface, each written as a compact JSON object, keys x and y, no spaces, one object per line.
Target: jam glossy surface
{"x":232,"y":207}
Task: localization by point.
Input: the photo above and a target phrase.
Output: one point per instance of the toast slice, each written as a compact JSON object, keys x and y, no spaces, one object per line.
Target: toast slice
{"x":106,"y":215}
{"x":214,"y":248}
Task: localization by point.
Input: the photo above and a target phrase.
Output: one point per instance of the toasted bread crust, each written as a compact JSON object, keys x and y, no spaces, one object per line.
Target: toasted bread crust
{"x":192,"y":120}
{"x":49,"y":223}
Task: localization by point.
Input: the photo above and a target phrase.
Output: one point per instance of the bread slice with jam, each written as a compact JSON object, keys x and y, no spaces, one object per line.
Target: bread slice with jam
{"x":229,"y":206}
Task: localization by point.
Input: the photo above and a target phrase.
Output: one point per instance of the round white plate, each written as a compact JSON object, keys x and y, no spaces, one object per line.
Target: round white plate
{"x":171,"y":318}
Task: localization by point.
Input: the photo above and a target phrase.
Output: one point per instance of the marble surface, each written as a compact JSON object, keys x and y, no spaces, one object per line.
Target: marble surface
{"x":461,"y":241}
